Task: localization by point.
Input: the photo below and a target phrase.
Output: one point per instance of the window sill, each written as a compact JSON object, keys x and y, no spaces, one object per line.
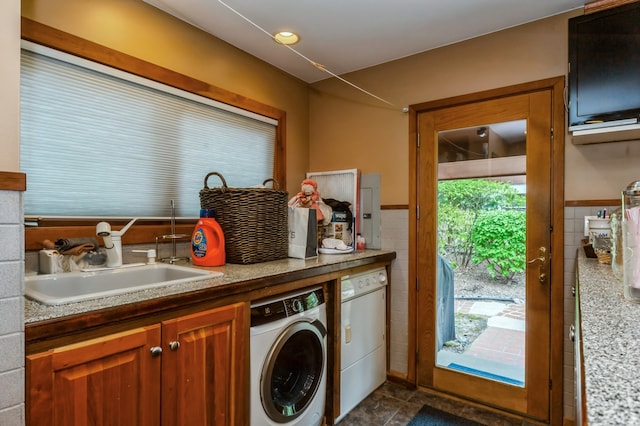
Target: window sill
{"x":137,"y":234}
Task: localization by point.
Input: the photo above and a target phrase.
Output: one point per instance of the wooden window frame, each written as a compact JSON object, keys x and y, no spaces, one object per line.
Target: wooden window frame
{"x":147,"y":230}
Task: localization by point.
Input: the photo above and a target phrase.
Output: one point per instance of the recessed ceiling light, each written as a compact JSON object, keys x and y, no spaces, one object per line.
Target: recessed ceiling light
{"x":286,"y":37}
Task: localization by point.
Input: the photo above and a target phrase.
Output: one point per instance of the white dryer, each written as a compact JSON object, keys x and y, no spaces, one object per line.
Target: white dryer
{"x":289,"y":359}
{"x":363,"y":349}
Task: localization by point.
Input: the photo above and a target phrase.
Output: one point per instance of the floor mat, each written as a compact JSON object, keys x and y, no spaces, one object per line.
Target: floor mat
{"x":429,"y":416}
{"x":485,"y":374}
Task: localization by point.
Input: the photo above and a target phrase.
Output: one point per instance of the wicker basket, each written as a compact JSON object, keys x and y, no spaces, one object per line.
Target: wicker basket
{"x":254,"y":220}
{"x":602,"y":248}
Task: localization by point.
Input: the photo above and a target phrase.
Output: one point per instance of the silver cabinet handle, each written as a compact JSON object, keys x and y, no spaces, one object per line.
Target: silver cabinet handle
{"x":156,"y":351}
{"x":174,"y":345}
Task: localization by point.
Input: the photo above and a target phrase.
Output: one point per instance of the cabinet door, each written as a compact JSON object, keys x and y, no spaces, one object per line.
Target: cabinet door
{"x":575,"y":334}
{"x":112,"y":380}
{"x":203,"y":368}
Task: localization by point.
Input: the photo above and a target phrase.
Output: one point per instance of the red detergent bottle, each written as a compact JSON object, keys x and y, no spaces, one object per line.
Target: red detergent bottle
{"x":207,"y":241}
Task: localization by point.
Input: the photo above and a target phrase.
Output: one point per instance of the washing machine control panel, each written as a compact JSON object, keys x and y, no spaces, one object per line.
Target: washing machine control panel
{"x":270,"y":310}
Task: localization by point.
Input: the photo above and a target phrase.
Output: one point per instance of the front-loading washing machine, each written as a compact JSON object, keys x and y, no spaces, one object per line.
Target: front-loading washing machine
{"x":289,"y":359}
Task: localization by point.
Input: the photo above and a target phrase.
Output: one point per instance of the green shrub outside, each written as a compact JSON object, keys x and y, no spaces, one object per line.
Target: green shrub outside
{"x":480,"y":220}
{"x":499,"y":238}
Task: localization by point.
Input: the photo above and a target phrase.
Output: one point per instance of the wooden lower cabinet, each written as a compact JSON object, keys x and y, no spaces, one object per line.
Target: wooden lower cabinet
{"x":184,"y":371}
{"x":113,"y":380}
{"x":203,"y":370}
{"x":575,"y":334}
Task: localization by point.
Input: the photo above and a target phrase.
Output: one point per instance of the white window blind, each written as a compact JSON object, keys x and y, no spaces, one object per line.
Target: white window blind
{"x":99,"y":142}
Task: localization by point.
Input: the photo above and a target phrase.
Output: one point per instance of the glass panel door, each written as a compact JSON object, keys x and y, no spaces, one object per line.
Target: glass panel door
{"x":483,"y":311}
{"x":481,"y":229}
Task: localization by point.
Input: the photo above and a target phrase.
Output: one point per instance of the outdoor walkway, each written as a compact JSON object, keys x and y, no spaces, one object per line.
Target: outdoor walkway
{"x":503,"y":340}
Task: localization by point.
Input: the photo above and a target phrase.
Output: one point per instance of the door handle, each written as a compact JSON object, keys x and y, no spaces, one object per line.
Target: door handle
{"x":544,"y":260}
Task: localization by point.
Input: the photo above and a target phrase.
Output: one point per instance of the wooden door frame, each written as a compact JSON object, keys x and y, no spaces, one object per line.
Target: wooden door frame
{"x":556,"y":86}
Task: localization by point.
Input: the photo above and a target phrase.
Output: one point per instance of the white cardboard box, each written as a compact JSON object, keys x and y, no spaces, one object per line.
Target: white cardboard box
{"x":341,"y":185}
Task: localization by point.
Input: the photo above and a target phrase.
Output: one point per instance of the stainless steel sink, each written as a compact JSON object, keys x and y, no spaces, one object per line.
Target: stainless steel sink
{"x":56,"y":289}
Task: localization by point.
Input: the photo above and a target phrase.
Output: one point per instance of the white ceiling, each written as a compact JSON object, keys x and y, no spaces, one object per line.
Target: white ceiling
{"x":348,"y":35}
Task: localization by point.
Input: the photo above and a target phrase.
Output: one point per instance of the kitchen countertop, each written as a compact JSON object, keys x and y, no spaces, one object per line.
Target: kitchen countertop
{"x":611,"y":346}
{"x":283,"y":269}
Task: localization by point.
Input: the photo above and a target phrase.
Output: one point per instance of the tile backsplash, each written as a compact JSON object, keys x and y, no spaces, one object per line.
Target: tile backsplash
{"x":395,"y":236}
{"x":12,"y":384}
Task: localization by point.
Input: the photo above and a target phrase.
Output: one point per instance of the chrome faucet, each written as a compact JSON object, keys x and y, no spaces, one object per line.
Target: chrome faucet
{"x":113,"y":242}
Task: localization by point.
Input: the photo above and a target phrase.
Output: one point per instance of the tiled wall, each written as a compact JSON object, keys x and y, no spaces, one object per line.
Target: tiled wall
{"x":395,"y":236}
{"x":11,"y":309}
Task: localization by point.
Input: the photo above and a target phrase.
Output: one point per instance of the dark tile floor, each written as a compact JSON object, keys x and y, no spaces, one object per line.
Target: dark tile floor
{"x":394,"y":405}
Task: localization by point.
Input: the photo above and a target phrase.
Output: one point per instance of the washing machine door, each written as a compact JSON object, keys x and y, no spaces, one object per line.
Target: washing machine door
{"x":293,"y":371}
